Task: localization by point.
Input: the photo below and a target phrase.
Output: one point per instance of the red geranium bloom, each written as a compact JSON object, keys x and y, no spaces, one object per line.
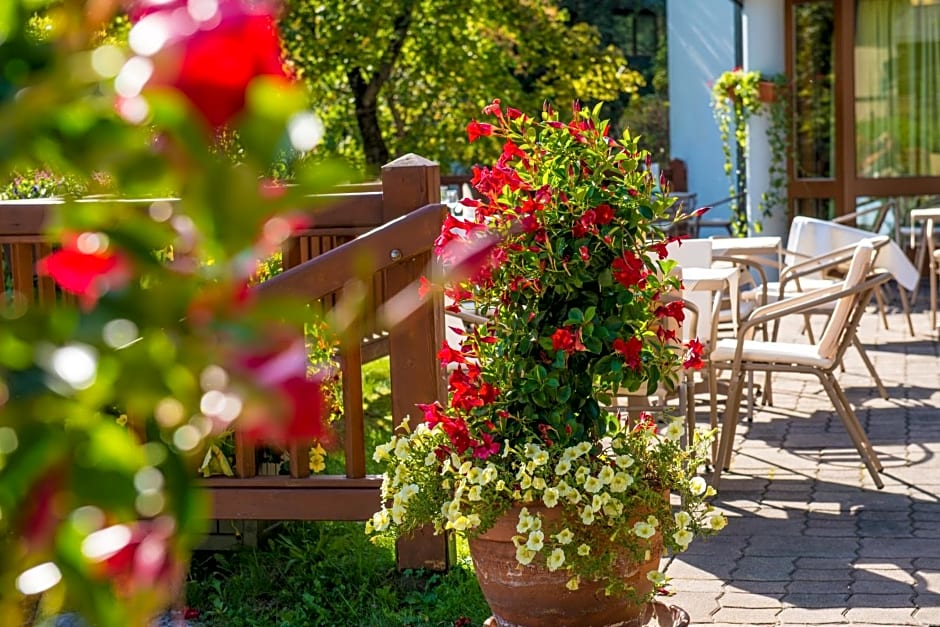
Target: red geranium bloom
{"x":630,"y":350}
{"x":604,"y":213}
{"x":629,"y":270}
{"x":564,"y":340}
{"x":674,"y":309}
{"x":476,"y":130}
{"x":693,"y":358}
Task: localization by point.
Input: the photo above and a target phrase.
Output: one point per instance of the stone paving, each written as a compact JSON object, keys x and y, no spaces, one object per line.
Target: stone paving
{"x":810,"y":540}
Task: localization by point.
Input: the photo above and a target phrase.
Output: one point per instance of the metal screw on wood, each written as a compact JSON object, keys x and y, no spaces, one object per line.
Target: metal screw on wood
{"x":395,"y":254}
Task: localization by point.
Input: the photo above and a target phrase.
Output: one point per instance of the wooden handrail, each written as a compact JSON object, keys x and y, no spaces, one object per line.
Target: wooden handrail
{"x":380,"y":248}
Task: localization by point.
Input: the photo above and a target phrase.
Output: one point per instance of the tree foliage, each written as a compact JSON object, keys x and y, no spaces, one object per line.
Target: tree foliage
{"x":392,"y":76}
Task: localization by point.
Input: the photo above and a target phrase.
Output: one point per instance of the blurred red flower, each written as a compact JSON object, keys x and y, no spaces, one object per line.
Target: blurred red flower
{"x":87,"y":275}
{"x":211,"y":59}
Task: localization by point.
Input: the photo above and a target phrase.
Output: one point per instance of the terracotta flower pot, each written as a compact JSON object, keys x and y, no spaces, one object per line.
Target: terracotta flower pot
{"x":766,"y":91}
{"x":533,"y":596}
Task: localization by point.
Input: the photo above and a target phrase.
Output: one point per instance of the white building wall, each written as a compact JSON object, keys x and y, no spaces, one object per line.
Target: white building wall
{"x":763,"y":38}
{"x":701,"y":46}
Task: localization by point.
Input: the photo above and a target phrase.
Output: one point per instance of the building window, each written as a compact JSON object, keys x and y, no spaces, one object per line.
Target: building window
{"x":897,"y":82}
{"x":636,"y":32}
{"x":814,"y":90}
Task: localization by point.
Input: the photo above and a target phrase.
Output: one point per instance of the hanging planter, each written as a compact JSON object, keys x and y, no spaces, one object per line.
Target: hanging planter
{"x":766,"y":91}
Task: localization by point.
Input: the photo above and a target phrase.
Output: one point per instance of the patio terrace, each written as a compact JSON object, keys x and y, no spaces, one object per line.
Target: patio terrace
{"x":810,"y":540}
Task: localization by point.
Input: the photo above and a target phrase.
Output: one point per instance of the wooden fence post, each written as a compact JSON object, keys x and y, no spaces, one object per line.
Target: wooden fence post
{"x":408,"y":183}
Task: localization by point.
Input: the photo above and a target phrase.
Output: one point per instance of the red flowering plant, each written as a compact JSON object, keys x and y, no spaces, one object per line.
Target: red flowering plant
{"x":564,"y":259}
{"x":144,"y":341}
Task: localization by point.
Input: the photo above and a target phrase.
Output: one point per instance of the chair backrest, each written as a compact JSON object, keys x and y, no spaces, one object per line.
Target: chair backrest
{"x":691,"y":253}
{"x":858,"y":269}
{"x":694,"y":253}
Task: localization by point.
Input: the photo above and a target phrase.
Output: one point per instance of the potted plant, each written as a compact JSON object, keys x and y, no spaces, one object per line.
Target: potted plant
{"x":560,"y":497}
{"x":738,"y":95}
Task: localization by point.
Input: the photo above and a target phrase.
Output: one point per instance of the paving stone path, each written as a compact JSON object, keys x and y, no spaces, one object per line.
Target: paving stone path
{"x":810,"y":540}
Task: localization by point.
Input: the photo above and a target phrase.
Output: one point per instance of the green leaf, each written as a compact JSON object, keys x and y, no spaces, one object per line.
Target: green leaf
{"x":575,"y":316}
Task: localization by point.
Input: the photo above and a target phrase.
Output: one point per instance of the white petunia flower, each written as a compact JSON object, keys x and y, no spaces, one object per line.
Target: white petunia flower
{"x":717,"y":522}
{"x":683,"y":537}
{"x":550,"y":497}
{"x":623,"y":461}
{"x":402,"y":448}
{"x":564,"y":536}
{"x":674,"y":431}
{"x":643,"y":529}
{"x":683,"y":519}
{"x":658,"y":578}
{"x":536,"y":540}
{"x":524,"y":555}
{"x":562,"y":467}
{"x":581,"y":474}
{"x":555,"y":560}
{"x":606,"y":475}
{"x":584,"y":550}
{"x":592,"y":485}
{"x":382,"y":450}
{"x":697,"y":486}
{"x":473,"y":475}
{"x":621,"y":482}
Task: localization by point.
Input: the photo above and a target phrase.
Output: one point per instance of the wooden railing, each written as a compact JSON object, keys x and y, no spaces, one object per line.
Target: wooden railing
{"x":382,"y":232}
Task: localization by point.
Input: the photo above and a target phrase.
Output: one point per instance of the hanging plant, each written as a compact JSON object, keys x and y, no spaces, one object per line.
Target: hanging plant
{"x":735,"y":98}
{"x":778,"y":136}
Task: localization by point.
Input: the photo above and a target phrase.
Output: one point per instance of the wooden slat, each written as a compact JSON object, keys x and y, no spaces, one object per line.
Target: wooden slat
{"x":291,"y":503}
{"x":299,"y":458}
{"x":246,"y":460}
{"x":329,"y":211}
{"x":263,"y":482}
{"x":21,"y":262}
{"x":351,"y":356}
{"x":47,"y":292}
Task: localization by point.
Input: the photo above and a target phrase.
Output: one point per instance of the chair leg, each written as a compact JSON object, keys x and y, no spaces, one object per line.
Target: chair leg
{"x":860,"y":431}
{"x":713,"y":405}
{"x":933,"y":297}
{"x":882,"y":307}
{"x":852,"y":427}
{"x":728,"y":426}
{"x":882,"y":392}
{"x":906,"y":308}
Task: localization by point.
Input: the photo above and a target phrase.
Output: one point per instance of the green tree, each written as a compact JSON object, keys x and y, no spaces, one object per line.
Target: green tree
{"x":393,"y":76}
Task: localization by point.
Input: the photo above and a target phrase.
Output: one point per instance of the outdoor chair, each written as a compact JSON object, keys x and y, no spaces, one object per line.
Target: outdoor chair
{"x":809,"y":275}
{"x":745,"y":354}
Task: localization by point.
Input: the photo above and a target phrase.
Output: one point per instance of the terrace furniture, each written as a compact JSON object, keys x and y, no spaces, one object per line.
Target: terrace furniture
{"x":746,"y":354}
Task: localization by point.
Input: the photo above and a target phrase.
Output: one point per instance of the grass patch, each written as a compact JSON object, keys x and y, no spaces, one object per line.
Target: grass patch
{"x":329,"y":573}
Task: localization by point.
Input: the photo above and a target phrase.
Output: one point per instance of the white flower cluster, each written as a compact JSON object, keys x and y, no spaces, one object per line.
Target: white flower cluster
{"x":596,"y":491}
